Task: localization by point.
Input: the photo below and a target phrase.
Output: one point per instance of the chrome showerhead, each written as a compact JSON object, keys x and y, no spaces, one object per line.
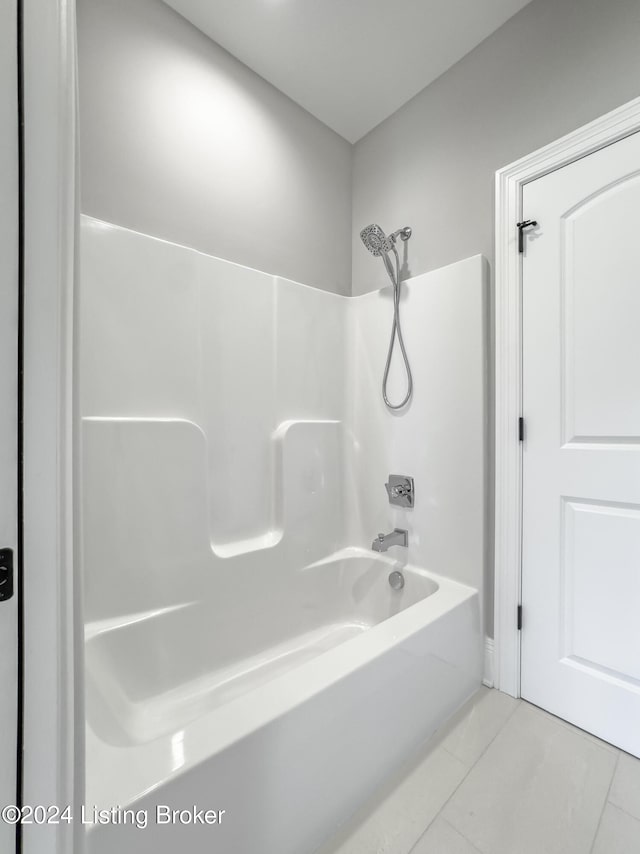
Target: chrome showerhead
{"x":377,"y":241}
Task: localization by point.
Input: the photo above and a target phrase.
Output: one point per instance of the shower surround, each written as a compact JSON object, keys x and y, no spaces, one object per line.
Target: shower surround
{"x":244,"y":650}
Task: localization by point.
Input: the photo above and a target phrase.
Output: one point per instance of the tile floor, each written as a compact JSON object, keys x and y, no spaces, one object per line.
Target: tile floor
{"x":504,"y":777}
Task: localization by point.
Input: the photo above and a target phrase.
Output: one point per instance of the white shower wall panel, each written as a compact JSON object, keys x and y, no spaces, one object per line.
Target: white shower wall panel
{"x":139,"y":316}
{"x":199,"y":370}
{"x":212,"y":399}
{"x":440,"y":438}
{"x":311,"y":352}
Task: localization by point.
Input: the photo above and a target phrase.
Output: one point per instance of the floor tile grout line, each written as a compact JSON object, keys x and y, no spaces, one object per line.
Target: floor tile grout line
{"x":469,"y":770}
{"x":622,"y":809}
{"x":490,"y":742}
{"x":459,"y":832}
{"x":455,"y":830}
{"x":604,"y":805}
{"x":439,"y":813}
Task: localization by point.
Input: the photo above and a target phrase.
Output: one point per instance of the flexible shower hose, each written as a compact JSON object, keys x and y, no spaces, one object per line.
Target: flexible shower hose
{"x":396,"y":330}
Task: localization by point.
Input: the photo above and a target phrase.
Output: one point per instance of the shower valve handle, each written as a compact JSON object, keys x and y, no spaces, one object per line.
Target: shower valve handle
{"x":400,"y":490}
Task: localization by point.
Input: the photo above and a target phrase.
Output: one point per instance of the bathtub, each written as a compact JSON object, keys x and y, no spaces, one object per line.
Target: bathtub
{"x":281,"y":716}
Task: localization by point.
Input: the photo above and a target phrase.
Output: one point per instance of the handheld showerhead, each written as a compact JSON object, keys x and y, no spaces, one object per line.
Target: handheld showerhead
{"x":376,"y":240}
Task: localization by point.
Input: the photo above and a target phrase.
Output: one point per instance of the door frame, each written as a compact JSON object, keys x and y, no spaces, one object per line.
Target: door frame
{"x":10,"y":330}
{"x":53,"y":714}
{"x":509,"y":182}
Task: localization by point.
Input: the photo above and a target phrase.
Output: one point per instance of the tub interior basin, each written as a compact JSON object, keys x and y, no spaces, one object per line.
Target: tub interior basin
{"x":149,"y":674}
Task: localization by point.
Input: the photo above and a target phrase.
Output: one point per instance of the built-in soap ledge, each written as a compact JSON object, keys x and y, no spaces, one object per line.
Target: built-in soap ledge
{"x":253,"y":544}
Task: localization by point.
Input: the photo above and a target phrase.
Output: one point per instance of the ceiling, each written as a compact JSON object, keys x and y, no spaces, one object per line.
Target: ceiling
{"x":351,"y":63}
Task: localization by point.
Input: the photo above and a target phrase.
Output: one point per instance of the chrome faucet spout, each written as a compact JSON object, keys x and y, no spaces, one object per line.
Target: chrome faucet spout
{"x":398,"y":537}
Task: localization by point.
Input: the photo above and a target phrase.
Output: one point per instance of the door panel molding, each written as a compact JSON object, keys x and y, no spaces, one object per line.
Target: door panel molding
{"x":509,"y":182}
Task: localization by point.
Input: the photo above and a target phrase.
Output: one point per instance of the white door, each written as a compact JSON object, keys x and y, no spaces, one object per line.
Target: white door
{"x":9,"y":304}
{"x":581,"y":450}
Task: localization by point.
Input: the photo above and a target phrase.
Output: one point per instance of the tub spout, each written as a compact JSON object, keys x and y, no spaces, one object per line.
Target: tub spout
{"x":398,"y":537}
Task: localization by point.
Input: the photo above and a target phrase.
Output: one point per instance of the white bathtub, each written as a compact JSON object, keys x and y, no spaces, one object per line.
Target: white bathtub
{"x":286,"y":709}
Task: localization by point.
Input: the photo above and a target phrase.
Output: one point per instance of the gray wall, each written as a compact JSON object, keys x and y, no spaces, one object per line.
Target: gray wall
{"x":182,"y":141}
{"x":554,"y":66}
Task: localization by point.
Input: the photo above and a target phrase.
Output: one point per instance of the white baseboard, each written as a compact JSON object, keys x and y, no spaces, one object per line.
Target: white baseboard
{"x":488,"y":663}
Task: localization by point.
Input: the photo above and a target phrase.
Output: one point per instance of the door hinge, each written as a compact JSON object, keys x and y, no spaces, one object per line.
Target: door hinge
{"x":6,"y":574}
{"x":521,"y":429}
{"x":519,"y":617}
{"x":526,"y":223}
